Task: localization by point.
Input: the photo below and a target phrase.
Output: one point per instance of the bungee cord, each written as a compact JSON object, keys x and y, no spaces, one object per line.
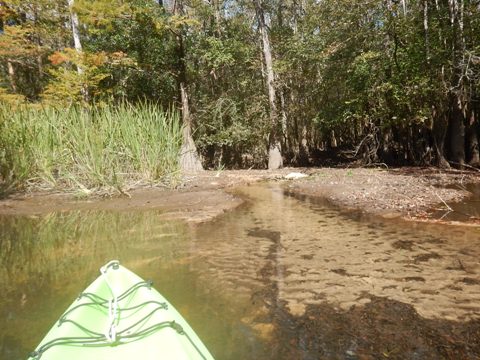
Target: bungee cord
{"x":113,"y":336}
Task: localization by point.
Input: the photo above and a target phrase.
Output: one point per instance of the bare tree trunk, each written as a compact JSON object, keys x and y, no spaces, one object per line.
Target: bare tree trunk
{"x":461,"y":27}
{"x":283,"y":118}
{"x":77,"y":44}
{"x":11,"y":75}
{"x":425,"y":28}
{"x":458,"y":92}
{"x":275,"y":160}
{"x":189,"y":159}
{"x":303,"y":156}
{"x":218,"y":17}
{"x":76,"y":32}
{"x":38,"y":41}
{"x":472,"y":140}
{"x":40,"y":66}
{"x":75,"y":27}
{"x":457,"y":132}
{"x":404,"y":6}
{"x":439,"y":133}
{"x":452,"y":4}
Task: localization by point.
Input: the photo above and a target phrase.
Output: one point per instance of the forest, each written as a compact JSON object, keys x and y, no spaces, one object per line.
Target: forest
{"x":91,"y":91}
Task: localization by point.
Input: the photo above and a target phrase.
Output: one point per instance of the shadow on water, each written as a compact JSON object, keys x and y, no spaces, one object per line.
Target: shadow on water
{"x":278,"y":278}
{"x":346,"y":285}
{"x":382,"y":329}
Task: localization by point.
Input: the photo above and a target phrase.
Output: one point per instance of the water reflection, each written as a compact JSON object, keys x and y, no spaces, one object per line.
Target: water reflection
{"x":465,"y":210}
{"x":47,"y":261}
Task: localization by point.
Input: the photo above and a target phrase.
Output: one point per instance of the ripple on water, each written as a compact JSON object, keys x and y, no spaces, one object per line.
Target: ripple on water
{"x":318,"y":247}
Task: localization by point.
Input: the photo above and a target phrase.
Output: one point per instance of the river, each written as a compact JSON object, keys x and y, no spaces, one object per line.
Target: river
{"x":252,"y":280}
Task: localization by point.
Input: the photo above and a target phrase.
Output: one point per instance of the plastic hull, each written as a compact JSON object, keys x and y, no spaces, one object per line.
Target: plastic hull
{"x":141,"y":324}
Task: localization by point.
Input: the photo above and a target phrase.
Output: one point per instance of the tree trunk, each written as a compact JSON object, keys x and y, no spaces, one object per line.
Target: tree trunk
{"x":439,"y":132}
{"x":11,"y":75}
{"x":303,"y":156}
{"x":425,"y":28}
{"x":283,"y":118}
{"x":189,"y":159}
{"x":457,"y":133}
{"x":76,"y":32}
{"x":472,"y":141}
{"x":275,"y":160}
{"x":218,"y":17}
{"x":77,"y":44}
{"x":40,"y":66}
{"x":404,"y":6}
{"x":38,"y":42}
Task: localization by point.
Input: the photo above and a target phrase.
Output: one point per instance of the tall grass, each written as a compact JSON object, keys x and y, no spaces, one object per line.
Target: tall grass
{"x":98,"y":149}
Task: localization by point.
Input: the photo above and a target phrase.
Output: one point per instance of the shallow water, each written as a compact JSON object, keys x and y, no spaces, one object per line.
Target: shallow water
{"x":47,"y":261}
{"x":465,"y":210}
{"x":229,"y":277}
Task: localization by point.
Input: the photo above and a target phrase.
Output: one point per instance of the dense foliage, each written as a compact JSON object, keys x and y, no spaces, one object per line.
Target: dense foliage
{"x":391,"y":81}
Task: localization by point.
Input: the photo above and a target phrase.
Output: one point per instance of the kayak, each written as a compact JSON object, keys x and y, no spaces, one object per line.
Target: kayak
{"x":120,"y":316}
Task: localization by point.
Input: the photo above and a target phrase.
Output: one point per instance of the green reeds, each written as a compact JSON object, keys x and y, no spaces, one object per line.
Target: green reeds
{"x":108,"y":148}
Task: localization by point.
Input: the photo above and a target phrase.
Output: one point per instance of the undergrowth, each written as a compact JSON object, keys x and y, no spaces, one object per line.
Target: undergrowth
{"x":103,"y":149}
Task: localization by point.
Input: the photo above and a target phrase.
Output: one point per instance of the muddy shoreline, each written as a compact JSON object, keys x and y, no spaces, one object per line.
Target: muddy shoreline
{"x":409,"y":193}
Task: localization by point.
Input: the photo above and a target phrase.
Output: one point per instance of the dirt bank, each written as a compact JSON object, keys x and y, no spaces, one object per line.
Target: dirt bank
{"x":200,"y":197}
{"x":406,"y":192}
{"x":411,"y":193}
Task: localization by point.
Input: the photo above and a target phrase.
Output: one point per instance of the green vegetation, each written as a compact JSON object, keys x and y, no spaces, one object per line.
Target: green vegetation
{"x":377,"y":82}
{"x":108,"y":147}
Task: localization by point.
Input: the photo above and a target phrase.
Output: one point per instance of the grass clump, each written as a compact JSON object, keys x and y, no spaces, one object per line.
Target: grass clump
{"x":99,"y":149}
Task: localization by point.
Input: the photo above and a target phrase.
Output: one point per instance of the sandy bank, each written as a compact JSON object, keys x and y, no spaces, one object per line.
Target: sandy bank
{"x":406,"y":192}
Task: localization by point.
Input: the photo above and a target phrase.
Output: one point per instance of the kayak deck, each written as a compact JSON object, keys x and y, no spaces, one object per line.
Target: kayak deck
{"x":120,"y":316}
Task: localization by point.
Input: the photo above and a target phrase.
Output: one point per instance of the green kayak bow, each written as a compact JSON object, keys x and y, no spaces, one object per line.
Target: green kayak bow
{"x":119,"y":317}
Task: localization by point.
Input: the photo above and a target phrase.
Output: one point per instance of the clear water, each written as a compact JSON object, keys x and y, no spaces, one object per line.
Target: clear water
{"x":466,"y":210}
{"x":217,"y":274}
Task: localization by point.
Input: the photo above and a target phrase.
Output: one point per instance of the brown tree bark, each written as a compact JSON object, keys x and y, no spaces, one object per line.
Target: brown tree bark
{"x":439,"y":132}
{"x":456,"y":134}
{"x":472,"y":140}
{"x":38,"y":41}
{"x":459,"y":95}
